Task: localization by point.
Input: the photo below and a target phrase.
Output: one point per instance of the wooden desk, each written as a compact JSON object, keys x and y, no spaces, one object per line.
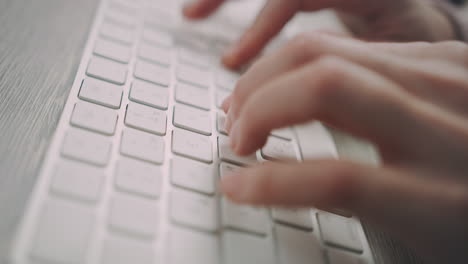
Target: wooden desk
{"x":40,"y":48}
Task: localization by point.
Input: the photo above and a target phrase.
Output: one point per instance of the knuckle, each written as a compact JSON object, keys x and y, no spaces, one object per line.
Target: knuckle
{"x":324,"y":77}
{"x":304,"y":46}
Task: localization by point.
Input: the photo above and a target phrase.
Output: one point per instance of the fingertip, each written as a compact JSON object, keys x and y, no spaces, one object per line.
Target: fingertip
{"x":232,"y":186}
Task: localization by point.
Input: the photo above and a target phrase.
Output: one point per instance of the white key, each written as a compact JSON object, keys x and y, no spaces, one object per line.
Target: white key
{"x":220,"y":121}
{"x":297,"y":247}
{"x":117,"y":250}
{"x":142,"y":146}
{"x":242,"y":217}
{"x":155,"y":54}
{"x":245,"y":218}
{"x":99,"y":92}
{"x":193,"y":175}
{"x":192,"y":119}
{"x":226,"y":154}
{"x":58,"y":222}
{"x":77,"y":180}
{"x":192,"y":75}
{"x":278,"y":149}
{"x":336,"y":256}
{"x":297,"y":217}
{"x":158,"y":37}
{"x":139,"y":178}
{"x":152,"y":73}
{"x":221,"y":95}
{"x":284,"y":133}
{"x":226,"y":79}
{"x":121,"y":19}
{"x":117,"y":33}
{"x":113,"y":50}
{"x":107,"y":70}
{"x":146,"y":118}
{"x":134,"y":215}
{"x":194,"y":210}
{"x":149,"y":94}
{"x":246,"y":249}
{"x":187,"y":246}
{"x":192,"y":145}
{"x":193,"y":58}
{"x":87,"y":147}
{"x":340,"y":231}
{"x":94,"y":117}
{"x":193,"y":95}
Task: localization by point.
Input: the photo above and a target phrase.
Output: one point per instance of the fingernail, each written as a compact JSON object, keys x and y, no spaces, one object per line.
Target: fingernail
{"x":228,"y":123}
{"x":234,"y":135}
{"x":231,"y":185}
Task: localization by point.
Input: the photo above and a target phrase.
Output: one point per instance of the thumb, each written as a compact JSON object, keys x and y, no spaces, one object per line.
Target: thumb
{"x":401,"y":204}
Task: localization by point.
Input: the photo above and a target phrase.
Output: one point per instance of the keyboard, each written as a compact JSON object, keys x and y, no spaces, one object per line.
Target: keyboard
{"x":132,"y":171}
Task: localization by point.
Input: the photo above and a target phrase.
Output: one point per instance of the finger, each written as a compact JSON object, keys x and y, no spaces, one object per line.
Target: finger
{"x":389,"y":198}
{"x":340,"y":93}
{"x":271,"y":19}
{"x":226,"y":104}
{"x":201,"y":8}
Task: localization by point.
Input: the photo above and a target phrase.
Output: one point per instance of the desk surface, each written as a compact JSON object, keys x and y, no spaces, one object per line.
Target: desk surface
{"x":40,"y":49}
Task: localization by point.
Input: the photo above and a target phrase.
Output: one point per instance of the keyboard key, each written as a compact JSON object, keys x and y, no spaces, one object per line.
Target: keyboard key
{"x":117,"y":33}
{"x":94,"y":117}
{"x":149,"y":94}
{"x":194,"y":210}
{"x":226,"y":154}
{"x":284,"y":133}
{"x":113,"y":50}
{"x":340,"y":231}
{"x":245,"y":218}
{"x":116,"y":250}
{"x":220,"y":121}
{"x":155,"y":54}
{"x":134,"y":216}
{"x":336,"y":256}
{"x":192,"y":145}
{"x":297,"y":247}
{"x":187,"y":246}
{"x":58,"y":222}
{"x":193,"y":95}
{"x":139,"y":178}
{"x":296,"y":217}
{"x":192,"y":119}
{"x":146,"y":118}
{"x":121,"y":19}
{"x":86,"y":146}
{"x":194,"y":58}
{"x":152,"y":73}
{"x":102,"y":93}
{"x":78,"y":181}
{"x":158,"y":37}
{"x":242,"y":217}
{"x":193,"y":175}
{"x":141,"y":145}
{"x":107,"y":70}
{"x":226,"y":79}
{"x":247,"y":249}
{"x":221,"y":95}
{"x":278,"y":149}
{"x":192,"y":75}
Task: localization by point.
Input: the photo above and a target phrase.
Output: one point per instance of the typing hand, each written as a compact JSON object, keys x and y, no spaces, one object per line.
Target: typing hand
{"x":408,"y":99}
{"x":404,"y":20}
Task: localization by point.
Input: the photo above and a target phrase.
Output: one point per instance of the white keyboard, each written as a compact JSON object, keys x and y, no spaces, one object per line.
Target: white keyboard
{"x":131,"y":175}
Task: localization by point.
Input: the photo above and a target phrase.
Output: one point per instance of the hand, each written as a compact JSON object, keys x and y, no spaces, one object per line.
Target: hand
{"x":408,"y":99}
{"x":403,"y":20}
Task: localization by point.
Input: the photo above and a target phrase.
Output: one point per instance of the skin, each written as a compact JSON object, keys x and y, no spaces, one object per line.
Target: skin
{"x":398,"y":20}
{"x":408,"y":99}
